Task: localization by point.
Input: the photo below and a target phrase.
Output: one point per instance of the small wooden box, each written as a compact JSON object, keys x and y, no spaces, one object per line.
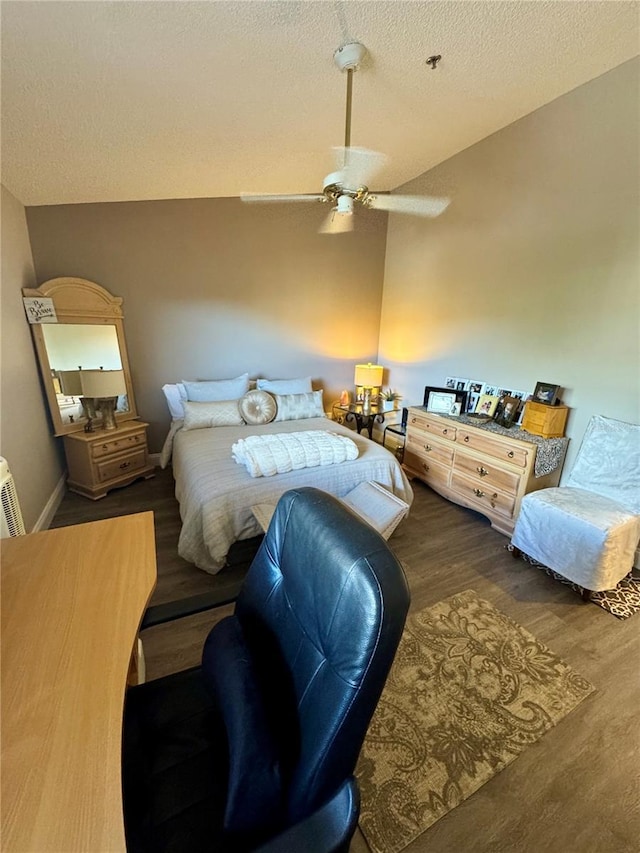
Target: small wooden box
{"x":546,"y":421}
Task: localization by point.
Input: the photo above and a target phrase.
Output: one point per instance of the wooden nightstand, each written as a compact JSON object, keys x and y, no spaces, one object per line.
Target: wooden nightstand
{"x":107,"y":459}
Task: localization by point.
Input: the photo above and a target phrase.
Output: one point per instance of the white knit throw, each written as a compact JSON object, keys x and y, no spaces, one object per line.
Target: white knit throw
{"x":266,"y":455}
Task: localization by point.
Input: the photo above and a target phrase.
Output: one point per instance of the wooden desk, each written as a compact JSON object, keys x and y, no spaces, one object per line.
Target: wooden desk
{"x":72,"y":601}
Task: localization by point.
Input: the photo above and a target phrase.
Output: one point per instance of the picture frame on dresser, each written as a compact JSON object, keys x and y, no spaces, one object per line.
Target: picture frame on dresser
{"x":444,"y":401}
{"x":545,"y":392}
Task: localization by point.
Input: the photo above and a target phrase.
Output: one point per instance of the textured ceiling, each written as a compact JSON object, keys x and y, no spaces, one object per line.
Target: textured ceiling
{"x":110,"y":101}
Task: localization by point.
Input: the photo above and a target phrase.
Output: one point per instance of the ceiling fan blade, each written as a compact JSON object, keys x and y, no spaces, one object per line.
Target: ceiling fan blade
{"x":337,"y":223}
{"x":358,"y":165}
{"x":418,"y":205}
{"x":256,"y":197}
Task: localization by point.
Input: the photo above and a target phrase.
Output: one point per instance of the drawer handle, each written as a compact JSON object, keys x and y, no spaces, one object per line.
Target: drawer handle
{"x":478,"y":493}
{"x":137,"y":438}
{"x":105,"y":446}
{"x":466,"y":438}
{"x":425,"y":466}
{"x":511,"y":454}
{"x":428,"y":447}
{"x":482,"y":471}
{"x":414,"y":420}
{"x":445,"y":431}
{"x":125,"y":465}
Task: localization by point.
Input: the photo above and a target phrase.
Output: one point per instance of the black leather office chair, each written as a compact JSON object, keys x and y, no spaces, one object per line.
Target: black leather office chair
{"x":259,"y":744}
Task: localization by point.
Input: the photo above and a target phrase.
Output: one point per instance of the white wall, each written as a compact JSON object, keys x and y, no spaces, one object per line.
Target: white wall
{"x":26,"y":434}
{"x":533,"y":271}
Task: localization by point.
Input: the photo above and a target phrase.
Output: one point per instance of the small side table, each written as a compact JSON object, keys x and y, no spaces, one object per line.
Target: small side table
{"x":362,"y":419}
{"x":396,"y":429}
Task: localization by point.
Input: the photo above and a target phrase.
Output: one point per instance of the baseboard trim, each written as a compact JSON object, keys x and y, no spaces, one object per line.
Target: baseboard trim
{"x":51,"y":507}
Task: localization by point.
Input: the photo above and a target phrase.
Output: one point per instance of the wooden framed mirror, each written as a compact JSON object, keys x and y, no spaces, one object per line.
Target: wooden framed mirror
{"x":87,"y":334}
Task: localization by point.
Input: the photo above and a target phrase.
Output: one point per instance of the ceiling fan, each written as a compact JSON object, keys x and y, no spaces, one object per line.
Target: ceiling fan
{"x":348,"y":186}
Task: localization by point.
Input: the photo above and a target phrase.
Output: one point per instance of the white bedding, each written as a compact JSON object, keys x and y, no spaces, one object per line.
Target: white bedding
{"x":266,"y":455}
{"x":216,"y":494}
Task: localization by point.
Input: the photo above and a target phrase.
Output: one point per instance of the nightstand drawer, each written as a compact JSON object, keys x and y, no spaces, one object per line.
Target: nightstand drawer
{"x":487,"y":474}
{"x":118,"y":445}
{"x":121,"y":465}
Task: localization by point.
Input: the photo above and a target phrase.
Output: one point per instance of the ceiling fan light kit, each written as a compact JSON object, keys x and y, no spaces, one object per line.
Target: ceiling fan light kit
{"x":358,"y":166}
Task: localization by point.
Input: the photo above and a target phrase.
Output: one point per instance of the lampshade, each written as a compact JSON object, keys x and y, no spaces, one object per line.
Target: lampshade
{"x":102,"y":383}
{"x":368,"y":375}
{"x":70,"y":382}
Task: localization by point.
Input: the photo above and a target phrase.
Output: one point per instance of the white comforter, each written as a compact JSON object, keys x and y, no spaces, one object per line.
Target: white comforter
{"x":266,"y":455}
{"x":216,"y":494}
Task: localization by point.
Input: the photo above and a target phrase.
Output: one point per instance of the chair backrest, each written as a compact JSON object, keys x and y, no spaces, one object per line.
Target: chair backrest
{"x":323,"y":607}
{"x":608,"y":461}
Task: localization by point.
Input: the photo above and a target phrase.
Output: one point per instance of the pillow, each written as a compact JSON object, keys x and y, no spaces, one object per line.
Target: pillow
{"x":215,"y":390}
{"x":254,"y":788}
{"x":285,"y":386}
{"x":257,"y":407}
{"x":175,"y":395}
{"x":215,"y":414}
{"x":295,"y":407}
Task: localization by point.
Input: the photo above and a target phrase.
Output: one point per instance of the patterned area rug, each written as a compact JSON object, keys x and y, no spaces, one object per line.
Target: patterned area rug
{"x":468,"y":692}
{"x":623,"y":601}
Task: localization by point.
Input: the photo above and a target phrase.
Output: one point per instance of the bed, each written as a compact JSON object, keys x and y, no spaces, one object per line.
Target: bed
{"x":216,"y":494}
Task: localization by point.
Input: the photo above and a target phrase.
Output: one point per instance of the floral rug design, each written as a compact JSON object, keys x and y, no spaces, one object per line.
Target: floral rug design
{"x":469,"y":690}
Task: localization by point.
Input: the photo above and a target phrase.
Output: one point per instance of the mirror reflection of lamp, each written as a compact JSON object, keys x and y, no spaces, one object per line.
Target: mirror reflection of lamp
{"x":103,"y":387}
{"x":71,"y":386}
{"x":369,"y":378}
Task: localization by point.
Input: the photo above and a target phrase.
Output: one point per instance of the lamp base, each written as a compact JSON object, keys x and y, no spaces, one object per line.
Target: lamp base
{"x":107,"y":407}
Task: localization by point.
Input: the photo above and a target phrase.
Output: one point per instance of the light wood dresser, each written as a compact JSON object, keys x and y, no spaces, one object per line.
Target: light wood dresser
{"x":107,"y":459}
{"x":486,"y":471}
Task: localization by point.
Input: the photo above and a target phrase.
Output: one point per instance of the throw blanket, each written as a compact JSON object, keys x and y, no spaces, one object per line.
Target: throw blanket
{"x":266,"y":455}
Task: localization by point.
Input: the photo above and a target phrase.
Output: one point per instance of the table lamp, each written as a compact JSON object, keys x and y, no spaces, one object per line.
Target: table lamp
{"x":104,"y":387}
{"x":368,"y":376}
{"x":71,"y":386}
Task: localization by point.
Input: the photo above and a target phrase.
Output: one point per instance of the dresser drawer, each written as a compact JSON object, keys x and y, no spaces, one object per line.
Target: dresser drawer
{"x":118,"y":445}
{"x":432,"y":473}
{"x":440,"y":428}
{"x":489,"y":498}
{"x":420,"y":444}
{"x":122,"y":465}
{"x":486,"y":474}
{"x":495,"y":447}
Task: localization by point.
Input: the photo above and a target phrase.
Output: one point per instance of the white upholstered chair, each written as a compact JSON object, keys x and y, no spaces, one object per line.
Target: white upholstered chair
{"x":588,"y":530}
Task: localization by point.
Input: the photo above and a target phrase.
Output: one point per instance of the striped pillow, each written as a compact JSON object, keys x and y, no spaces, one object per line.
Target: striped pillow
{"x":296,"y":407}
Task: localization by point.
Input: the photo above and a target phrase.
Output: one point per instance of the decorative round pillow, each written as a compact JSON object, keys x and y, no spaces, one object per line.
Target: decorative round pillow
{"x":257,"y":407}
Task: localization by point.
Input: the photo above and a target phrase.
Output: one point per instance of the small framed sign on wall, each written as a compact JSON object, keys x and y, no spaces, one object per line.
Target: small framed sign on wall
{"x":39,"y":310}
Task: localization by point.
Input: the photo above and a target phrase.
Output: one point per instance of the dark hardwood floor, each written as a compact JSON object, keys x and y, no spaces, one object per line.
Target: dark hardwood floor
{"x":575,"y":791}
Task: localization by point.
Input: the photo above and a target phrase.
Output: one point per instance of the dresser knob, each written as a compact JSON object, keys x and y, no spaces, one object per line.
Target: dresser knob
{"x":425,"y":466}
{"x":479,"y":493}
{"x":125,"y":464}
{"x":105,"y":447}
{"x":482,"y":471}
{"x":511,"y":454}
{"x":466,"y":438}
{"x":428,"y":447}
{"x":445,"y":431}
{"x":414,"y":420}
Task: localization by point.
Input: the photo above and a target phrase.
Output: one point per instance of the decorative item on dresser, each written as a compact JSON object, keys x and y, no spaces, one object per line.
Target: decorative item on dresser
{"x":484,"y":467}
{"x":84,"y":365}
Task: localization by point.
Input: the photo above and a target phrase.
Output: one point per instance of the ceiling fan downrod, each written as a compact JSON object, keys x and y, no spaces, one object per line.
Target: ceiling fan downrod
{"x":348,"y":58}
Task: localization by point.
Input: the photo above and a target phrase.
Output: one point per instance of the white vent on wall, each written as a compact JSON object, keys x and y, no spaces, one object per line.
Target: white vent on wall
{"x":11,"y":523}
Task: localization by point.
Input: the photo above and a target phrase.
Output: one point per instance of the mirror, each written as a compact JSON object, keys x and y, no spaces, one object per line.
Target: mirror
{"x":87,"y":334}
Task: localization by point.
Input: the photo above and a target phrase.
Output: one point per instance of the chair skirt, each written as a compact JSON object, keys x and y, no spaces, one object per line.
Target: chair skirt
{"x":585,"y":537}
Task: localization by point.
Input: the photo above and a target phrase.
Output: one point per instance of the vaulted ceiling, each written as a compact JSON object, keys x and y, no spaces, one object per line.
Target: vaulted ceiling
{"x":111,"y":101}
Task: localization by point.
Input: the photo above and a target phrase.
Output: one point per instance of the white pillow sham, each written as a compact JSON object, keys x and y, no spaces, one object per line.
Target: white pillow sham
{"x":212,"y":414}
{"x":216,"y":390}
{"x":175,"y":396}
{"x":285,"y":386}
{"x":296,"y":407}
